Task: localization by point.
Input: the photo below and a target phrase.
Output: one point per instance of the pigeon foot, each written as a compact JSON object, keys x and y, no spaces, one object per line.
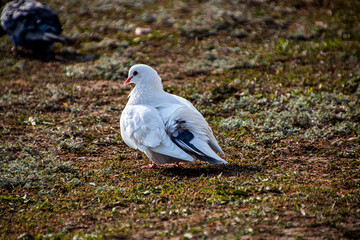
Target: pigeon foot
{"x":150,"y":166}
{"x":178,"y":164}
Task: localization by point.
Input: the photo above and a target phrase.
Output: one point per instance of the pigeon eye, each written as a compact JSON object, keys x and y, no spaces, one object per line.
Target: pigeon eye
{"x":135,"y":73}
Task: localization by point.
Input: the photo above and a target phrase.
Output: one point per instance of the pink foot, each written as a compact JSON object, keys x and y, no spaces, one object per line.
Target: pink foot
{"x":178,"y":164}
{"x":150,"y":166}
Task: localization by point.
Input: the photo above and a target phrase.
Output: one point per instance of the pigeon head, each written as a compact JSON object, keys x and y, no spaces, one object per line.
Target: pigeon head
{"x":143,"y":75}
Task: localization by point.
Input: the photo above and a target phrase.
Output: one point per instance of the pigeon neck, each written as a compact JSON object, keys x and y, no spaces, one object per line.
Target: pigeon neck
{"x":144,"y":93}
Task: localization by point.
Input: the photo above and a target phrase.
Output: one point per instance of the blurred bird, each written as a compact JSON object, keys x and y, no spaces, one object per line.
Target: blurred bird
{"x":168,"y":128}
{"x":32,"y":26}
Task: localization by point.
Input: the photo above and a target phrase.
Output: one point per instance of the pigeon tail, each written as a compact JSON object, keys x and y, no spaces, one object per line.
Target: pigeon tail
{"x":53,"y":37}
{"x":183,"y":141}
{"x":159,"y":158}
{"x":38,"y":37}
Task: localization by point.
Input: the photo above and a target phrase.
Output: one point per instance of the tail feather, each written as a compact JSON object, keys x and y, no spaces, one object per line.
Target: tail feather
{"x":170,"y":149}
{"x":159,"y":158}
{"x":53,"y":37}
{"x":202,"y":150}
{"x":43,"y":37}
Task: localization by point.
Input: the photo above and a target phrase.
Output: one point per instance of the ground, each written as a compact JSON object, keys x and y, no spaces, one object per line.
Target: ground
{"x":278,"y":81}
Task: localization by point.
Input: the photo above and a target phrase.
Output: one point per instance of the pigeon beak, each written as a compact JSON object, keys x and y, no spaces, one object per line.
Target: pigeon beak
{"x":127,"y":81}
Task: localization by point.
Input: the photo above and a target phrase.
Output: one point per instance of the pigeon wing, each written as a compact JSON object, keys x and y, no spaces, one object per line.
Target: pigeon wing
{"x":198,"y":123}
{"x":143,"y":128}
{"x":190,"y":131}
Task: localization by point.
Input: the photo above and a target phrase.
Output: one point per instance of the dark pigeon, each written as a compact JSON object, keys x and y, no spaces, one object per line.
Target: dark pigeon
{"x":32,"y":26}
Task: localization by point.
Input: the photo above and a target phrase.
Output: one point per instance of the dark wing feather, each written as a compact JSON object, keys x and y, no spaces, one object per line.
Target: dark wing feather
{"x":183,"y":140}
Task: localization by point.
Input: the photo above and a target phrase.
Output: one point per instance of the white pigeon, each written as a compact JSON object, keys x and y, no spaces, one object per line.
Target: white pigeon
{"x":166,"y":127}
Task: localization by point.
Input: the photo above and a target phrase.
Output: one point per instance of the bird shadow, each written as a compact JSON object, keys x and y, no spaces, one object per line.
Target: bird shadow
{"x":69,"y":56}
{"x":69,"y":53}
{"x":212,"y":170}
{"x":62,"y":56}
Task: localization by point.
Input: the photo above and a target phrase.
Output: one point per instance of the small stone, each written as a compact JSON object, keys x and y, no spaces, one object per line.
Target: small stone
{"x":142,"y":31}
{"x":188,"y":236}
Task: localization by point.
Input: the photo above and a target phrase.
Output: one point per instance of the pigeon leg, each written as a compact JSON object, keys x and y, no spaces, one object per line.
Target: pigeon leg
{"x":150,"y":166}
{"x":178,"y":164}
{"x":14,"y":50}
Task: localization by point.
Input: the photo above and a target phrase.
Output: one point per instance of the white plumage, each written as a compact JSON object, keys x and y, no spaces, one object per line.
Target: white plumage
{"x":166,"y":127}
